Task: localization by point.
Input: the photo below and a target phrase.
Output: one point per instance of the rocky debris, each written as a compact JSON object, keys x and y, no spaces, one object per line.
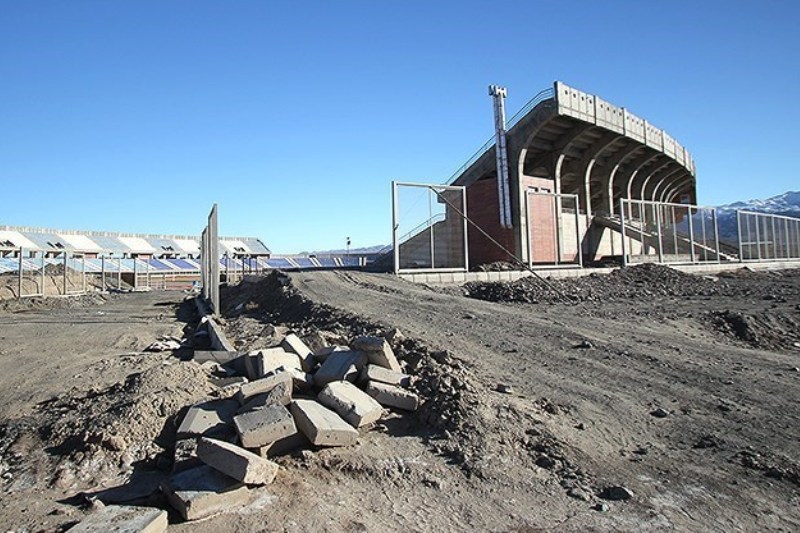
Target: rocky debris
{"x":384,"y":375}
{"x":392,"y":396}
{"x":504,"y":388}
{"x":659,"y":412}
{"x":378,"y":352}
{"x":339,"y":366}
{"x":124,"y":519}
{"x":616,"y":493}
{"x":164,"y":344}
{"x":262,"y":386}
{"x":292,"y":343}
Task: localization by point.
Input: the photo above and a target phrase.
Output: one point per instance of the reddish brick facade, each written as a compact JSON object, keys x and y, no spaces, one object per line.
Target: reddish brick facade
{"x":483,"y":209}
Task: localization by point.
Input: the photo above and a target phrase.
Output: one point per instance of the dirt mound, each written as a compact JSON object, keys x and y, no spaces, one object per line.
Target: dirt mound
{"x":83,"y":439}
{"x":38,"y":303}
{"x":767,"y":330}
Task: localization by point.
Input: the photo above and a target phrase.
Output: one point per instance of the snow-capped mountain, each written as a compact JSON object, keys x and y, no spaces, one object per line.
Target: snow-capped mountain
{"x":786,"y":204}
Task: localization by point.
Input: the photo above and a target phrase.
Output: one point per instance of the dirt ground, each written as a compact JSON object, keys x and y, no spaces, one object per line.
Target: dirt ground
{"x":678,"y":392}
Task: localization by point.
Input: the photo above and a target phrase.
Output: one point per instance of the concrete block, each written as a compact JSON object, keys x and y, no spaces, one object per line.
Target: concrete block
{"x":251,"y":365}
{"x":261,"y":386}
{"x":271,"y":359}
{"x":392,"y":396}
{"x":123,"y":519}
{"x":184,"y":456}
{"x":316,"y":341}
{"x":322,"y":426}
{"x":302,"y":381}
{"x":355,"y":406}
{"x":340,"y":366}
{"x":216,"y":356}
{"x":292,"y":343}
{"x":264,"y":426}
{"x":283,"y":446}
{"x":208,"y":418}
{"x":378,"y":351}
{"x":236,"y":462}
{"x":384,"y":375}
{"x":202,"y":492}
{"x":281,"y":394}
{"x":323,"y":353}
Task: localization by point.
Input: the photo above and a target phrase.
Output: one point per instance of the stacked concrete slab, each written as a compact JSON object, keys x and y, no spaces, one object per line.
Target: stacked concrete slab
{"x":294,"y":397}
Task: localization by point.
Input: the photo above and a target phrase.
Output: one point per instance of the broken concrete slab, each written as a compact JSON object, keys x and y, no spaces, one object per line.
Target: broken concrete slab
{"x":322,"y":426}
{"x":340,"y":366}
{"x":392,"y":396}
{"x":302,"y":381}
{"x":267,"y":361}
{"x":208,"y":418}
{"x":322,"y":353}
{"x":217,"y":356}
{"x":315,"y":340}
{"x":292,"y":343}
{"x":384,"y":375}
{"x":203,"y":491}
{"x":378,"y":351}
{"x":281,"y":394}
{"x":262,"y":386}
{"x":264,"y":426}
{"x":283,"y":446}
{"x":355,"y":406}
{"x":184,"y":455}
{"x":124,"y":519}
{"x":236,"y":462}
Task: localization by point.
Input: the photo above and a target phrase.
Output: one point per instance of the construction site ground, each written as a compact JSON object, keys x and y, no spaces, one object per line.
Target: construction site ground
{"x":642,"y":400}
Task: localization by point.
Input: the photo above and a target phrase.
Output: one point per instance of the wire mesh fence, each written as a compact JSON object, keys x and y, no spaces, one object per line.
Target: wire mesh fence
{"x":767,"y":237}
{"x":430,"y":227}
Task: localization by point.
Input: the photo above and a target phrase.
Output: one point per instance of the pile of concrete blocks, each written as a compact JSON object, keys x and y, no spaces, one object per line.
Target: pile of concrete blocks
{"x":276,"y":401}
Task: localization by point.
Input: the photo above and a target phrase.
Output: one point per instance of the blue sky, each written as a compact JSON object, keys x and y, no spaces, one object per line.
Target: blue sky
{"x":295,"y":116}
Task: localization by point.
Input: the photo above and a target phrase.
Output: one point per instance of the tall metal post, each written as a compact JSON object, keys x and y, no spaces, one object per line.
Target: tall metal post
{"x":20,"y":274}
{"x":691,"y":234}
{"x":430,"y":226}
{"x":498,"y":95}
{"x":758,"y":237}
{"x":716,"y":234}
{"x":135,"y":275}
{"x":786,"y":237}
{"x":83,"y":271}
{"x":658,"y":227}
{"x":119,"y":273}
{"x":103,"y":273}
{"x":774,"y":240}
{"x":578,"y":232}
{"x":739,"y":234}
{"x":622,"y":228}
{"x":65,"y":273}
{"x":464,"y":222}
{"x":43,"y":274}
{"x":395,"y":229}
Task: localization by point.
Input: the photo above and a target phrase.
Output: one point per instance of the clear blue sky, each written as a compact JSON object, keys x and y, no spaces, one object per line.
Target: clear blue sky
{"x":295,"y":116}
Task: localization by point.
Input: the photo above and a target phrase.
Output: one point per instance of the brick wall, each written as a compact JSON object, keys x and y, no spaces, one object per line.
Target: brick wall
{"x":483,"y":209}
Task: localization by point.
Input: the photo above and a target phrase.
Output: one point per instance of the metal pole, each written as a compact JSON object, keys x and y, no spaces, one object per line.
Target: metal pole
{"x":642,"y":223}
{"x":774,"y":239}
{"x":147,"y":273}
{"x":103,"y":272}
{"x":674,"y":230}
{"x":739,"y":235}
{"x":758,"y":237}
{"x":135,"y":275}
{"x":578,"y":233}
{"x":119,"y":273}
{"x":556,"y":226}
{"x":716,"y":234}
{"x":44,"y":279}
{"x":430,"y":222}
{"x":65,"y":273}
{"x":19,"y":275}
{"x":83,"y":270}
{"x":657,"y":209}
{"x":528,"y":232}
{"x":464,"y":221}
{"x":786,"y":237}
{"x":691,"y":234}
{"x":622,"y":228}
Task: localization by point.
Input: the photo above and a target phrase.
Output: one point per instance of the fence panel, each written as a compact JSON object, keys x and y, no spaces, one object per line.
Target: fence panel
{"x":430,"y":227}
{"x":671,"y":234}
{"x":766,"y":237}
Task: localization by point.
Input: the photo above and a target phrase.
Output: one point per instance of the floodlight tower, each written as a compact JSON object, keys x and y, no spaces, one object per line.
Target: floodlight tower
{"x":499,"y":94}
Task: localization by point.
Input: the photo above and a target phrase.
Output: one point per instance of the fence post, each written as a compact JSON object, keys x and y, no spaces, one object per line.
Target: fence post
{"x":739,"y":234}
{"x":658,"y":227}
{"x":622,"y":228}
{"x":716,"y":234}
{"x":103,"y":273}
{"x":395,"y":227}
{"x":83,"y":271}
{"x":786,"y":236}
{"x":135,"y":275}
{"x":20,"y":274}
{"x":119,"y":273}
{"x":65,"y":273}
{"x":758,"y":237}
{"x":691,"y":234}
{"x":44,"y":278}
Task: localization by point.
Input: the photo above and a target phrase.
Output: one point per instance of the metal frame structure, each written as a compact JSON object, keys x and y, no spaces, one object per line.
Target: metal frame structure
{"x":665,"y":217}
{"x":558,"y":233}
{"x":432,"y":188}
{"x":777,"y":237}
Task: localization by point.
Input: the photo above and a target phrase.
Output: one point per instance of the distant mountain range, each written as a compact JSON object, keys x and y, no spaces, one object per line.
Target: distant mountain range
{"x":786,"y":204}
